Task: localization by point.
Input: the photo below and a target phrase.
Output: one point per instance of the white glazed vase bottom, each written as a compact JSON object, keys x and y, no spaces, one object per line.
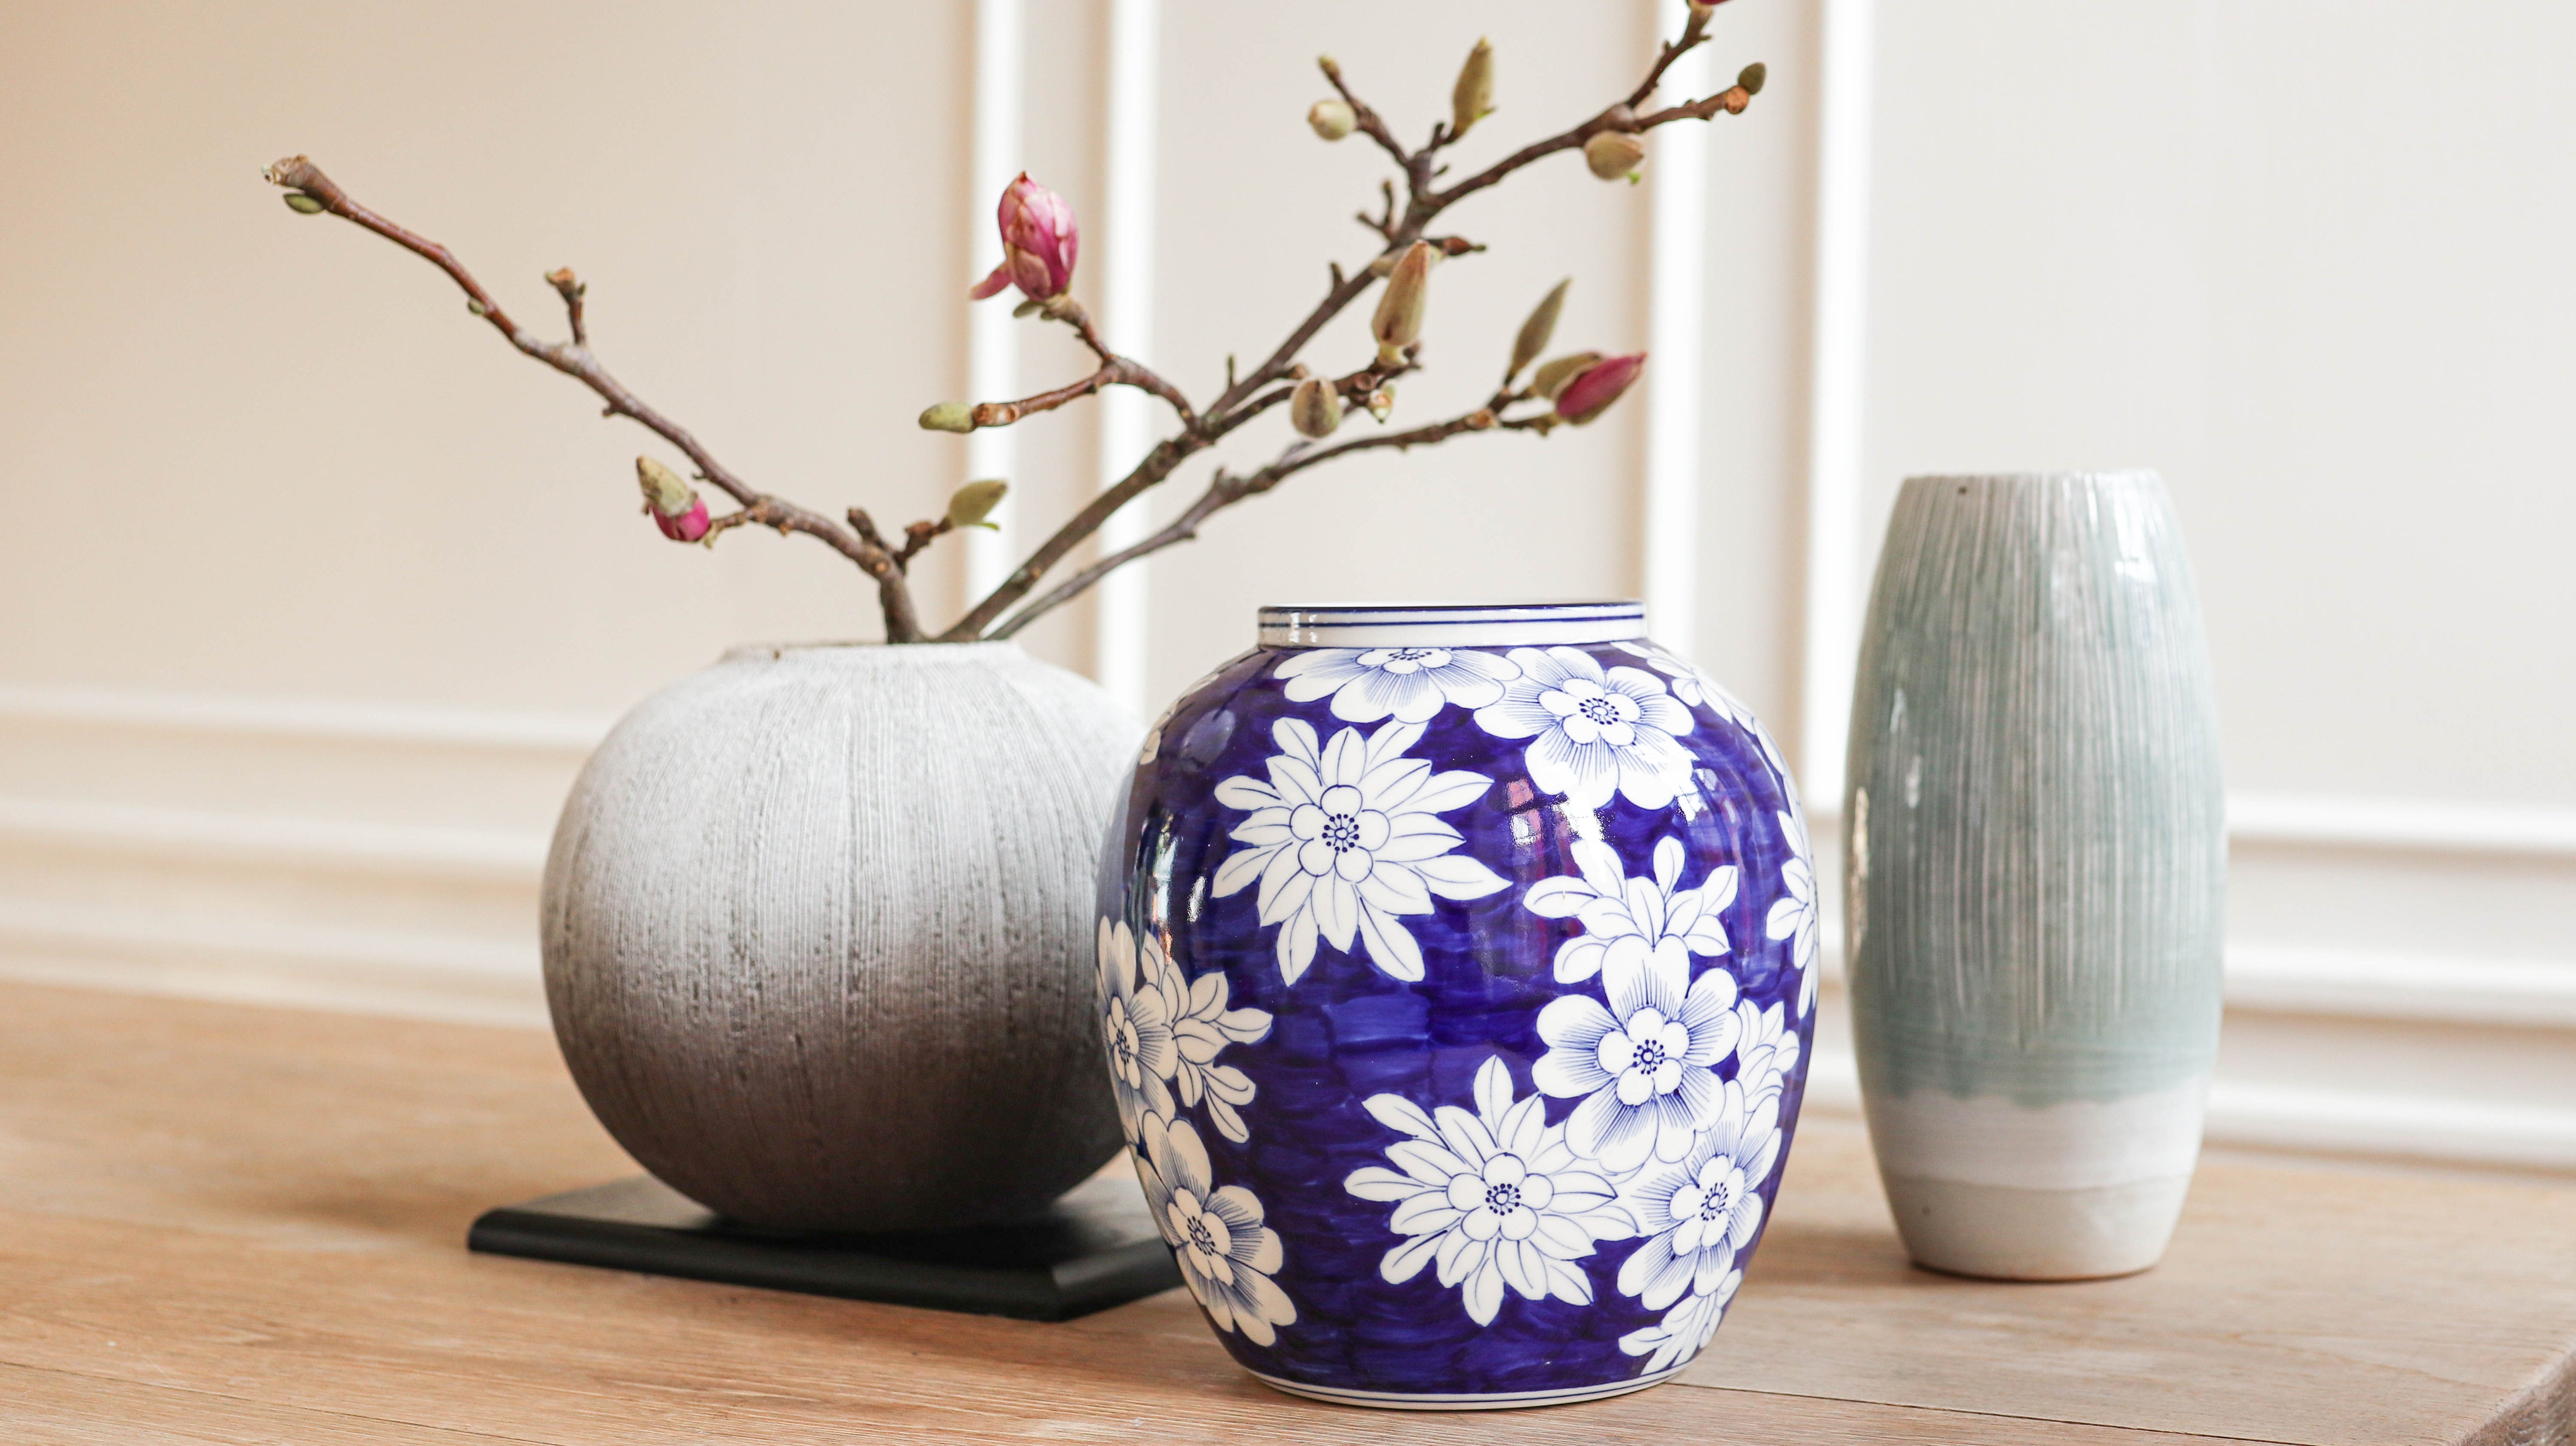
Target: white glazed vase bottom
{"x":2073,"y":1191}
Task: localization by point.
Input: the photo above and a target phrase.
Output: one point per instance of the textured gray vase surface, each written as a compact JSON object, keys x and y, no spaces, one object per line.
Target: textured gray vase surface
{"x":2035,"y":872}
{"x":818,"y":934}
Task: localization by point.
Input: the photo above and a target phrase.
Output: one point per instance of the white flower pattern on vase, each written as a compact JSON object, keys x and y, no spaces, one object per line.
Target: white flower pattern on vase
{"x":1766,"y":1051}
{"x":1593,"y":732}
{"x":1497,"y":1198}
{"x":1410,"y":685}
{"x":1698,"y":1211}
{"x":1226,"y":1251}
{"x":1202,"y":1026}
{"x":1163,"y":1034}
{"x":1346,"y":841}
{"x":1646,"y":1067}
{"x":1697,"y":687}
{"x":1135,"y":1028}
{"x":1685,"y":1330}
{"x":1620,"y":914}
{"x":1793,"y":917}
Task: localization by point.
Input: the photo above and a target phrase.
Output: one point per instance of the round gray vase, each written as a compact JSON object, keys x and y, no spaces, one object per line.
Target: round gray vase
{"x":2035,"y":873}
{"x":818,"y":934}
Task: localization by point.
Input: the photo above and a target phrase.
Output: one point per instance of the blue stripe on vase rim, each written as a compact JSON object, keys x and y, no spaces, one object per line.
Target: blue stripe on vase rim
{"x":1398,"y":625}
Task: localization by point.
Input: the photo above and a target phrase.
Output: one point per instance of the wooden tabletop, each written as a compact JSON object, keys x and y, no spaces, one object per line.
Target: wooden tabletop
{"x":226,"y":1224}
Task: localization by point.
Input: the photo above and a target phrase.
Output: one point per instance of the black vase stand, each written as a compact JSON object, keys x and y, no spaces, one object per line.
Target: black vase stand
{"x":1093,"y":1249}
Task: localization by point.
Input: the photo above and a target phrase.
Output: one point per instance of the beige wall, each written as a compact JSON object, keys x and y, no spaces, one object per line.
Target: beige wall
{"x":319,"y":594}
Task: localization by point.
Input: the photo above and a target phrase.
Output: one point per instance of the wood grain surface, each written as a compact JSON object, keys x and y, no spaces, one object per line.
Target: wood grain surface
{"x":236,"y":1225}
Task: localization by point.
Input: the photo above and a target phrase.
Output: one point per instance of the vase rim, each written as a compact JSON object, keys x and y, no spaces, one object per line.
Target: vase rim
{"x":1440,"y":624}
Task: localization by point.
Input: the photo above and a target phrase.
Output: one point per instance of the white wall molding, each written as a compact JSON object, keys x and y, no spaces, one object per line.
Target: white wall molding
{"x":2512,"y":993}
{"x":484,"y":855}
{"x":2332,"y":1121}
{"x":332,"y":720}
{"x":1837,"y":421}
{"x":992,"y":336}
{"x":1677,"y":338}
{"x":2427,"y":826}
{"x":1120,"y":654}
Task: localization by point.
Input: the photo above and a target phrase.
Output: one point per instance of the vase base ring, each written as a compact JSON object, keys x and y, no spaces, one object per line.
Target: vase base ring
{"x":1494,"y":1401}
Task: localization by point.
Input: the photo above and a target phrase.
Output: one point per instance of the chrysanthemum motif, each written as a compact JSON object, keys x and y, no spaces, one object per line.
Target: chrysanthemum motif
{"x":1346,"y":841}
{"x":1410,"y":685}
{"x":1163,"y":1034}
{"x":1496,"y":1197}
{"x":1794,"y":916}
{"x":1766,"y":1051}
{"x":1698,"y":1211}
{"x":1646,"y":1067}
{"x":1135,"y":1027}
{"x":1621,"y":915}
{"x":1685,"y":1330}
{"x":1226,"y":1252}
{"x":1593,"y":733}
{"x":1695,"y":686}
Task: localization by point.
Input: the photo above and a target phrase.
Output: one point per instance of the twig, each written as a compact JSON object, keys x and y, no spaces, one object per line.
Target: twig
{"x":1226,"y":489}
{"x":296,"y":173}
{"x":572,"y":291}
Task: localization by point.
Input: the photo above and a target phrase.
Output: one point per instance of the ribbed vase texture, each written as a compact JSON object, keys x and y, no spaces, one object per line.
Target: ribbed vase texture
{"x":2035,"y":875}
{"x":818,"y":934}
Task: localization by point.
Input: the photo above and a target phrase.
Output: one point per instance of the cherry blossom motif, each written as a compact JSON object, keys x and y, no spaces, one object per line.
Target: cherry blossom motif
{"x":1639,"y":915}
{"x":1685,"y":1330}
{"x":1226,"y":1252}
{"x":1496,"y":1197}
{"x":1695,"y":686}
{"x":1410,"y":685}
{"x":1646,"y":1067}
{"x":1794,"y":916}
{"x":1346,"y":841}
{"x":1698,"y":1211}
{"x":1163,"y":1033}
{"x":1594,"y":733}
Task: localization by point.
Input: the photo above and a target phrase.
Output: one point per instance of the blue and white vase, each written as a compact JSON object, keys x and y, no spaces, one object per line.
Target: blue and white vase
{"x":1457,"y":973}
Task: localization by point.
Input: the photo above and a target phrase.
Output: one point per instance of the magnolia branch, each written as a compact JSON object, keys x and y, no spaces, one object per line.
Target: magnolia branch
{"x":574,"y":360}
{"x":1226,"y":489}
{"x":1229,"y":409}
{"x":1042,"y":268}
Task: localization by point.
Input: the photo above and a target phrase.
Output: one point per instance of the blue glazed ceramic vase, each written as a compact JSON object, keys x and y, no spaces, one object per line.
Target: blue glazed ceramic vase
{"x":1457,"y":971}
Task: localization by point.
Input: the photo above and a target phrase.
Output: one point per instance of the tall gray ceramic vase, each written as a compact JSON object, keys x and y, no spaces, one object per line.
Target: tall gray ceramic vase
{"x":2035,"y":873}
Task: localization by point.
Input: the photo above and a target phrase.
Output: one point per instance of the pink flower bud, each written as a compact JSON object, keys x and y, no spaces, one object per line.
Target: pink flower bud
{"x":1591,"y":393}
{"x":1038,"y":243}
{"x":676,"y":506}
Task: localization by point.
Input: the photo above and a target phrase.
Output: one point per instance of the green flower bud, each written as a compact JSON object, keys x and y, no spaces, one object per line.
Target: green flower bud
{"x":304,"y":205}
{"x":972,"y":503}
{"x":949,"y":417}
{"x":1398,"y":323}
{"x":1752,"y":76}
{"x":1536,"y":331}
{"x":1333,"y":119}
{"x":1613,"y":155}
{"x":1472,"y":99}
{"x":1315,"y":408}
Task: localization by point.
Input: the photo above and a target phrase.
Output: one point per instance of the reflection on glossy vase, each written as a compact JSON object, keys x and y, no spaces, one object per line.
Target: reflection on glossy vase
{"x":2035,"y":874}
{"x":1457,"y":971}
